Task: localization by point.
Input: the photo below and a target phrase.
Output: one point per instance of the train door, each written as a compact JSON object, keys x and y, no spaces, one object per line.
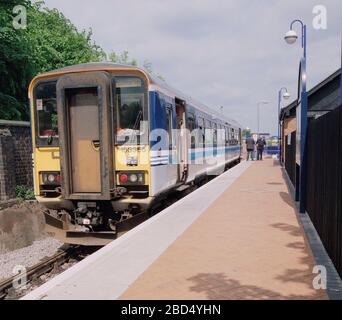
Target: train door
{"x":84,"y":139}
{"x":85,"y":122}
{"x":240,"y":142}
{"x":182,"y":141}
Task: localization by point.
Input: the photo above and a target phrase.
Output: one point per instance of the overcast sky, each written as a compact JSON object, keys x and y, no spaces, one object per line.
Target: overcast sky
{"x":227,"y":53}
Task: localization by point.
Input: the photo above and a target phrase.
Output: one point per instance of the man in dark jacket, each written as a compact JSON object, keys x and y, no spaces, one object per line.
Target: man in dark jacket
{"x":250,"y":147}
{"x":261,"y":143}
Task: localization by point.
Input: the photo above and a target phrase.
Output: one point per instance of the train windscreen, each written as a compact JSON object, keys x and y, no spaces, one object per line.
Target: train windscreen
{"x":131,"y":109}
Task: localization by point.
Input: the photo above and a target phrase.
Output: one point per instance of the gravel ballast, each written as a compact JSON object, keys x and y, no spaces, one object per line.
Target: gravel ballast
{"x":28,"y":256}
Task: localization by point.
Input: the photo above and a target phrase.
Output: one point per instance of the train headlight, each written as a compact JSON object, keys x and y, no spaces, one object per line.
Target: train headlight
{"x":131,"y":178}
{"x":51,"y":178}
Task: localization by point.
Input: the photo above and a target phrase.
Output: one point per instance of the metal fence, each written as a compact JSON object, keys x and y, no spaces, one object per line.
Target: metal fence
{"x":272,"y":150}
{"x":324,"y":182}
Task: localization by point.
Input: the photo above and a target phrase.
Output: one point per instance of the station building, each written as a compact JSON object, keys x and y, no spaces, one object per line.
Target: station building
{"x":322,"y":186}
{"x":322,"y":98}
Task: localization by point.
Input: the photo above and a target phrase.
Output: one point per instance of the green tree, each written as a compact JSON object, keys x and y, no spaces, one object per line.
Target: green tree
{"x":55,"y":41}
{"x":50,"y":41}
{"x":15,"y":64}
{"x":123,"y":58}
{"x":148,"y":67}
{"x":246,"y":133}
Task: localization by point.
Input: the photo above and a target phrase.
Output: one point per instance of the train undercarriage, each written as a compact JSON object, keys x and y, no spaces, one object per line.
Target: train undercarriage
{"x":96,"y":223}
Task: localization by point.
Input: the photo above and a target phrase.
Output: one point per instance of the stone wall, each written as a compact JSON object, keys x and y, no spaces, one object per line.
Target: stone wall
{"x":15,"y":157}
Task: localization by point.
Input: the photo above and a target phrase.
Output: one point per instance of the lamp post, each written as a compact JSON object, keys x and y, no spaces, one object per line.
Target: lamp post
{"x":290,"y":38}
{"x":286,"y":96}
{"x":341,"y":74}
{"x":258,"y":108}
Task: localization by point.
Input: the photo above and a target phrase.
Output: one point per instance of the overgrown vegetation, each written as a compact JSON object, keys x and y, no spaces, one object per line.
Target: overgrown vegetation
{"x":50,"y":41}
{"x":24,"y":193}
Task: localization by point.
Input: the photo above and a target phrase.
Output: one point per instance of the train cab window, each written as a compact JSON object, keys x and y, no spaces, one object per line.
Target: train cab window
{"x":46,"y":119}
{"x":131,"y":109}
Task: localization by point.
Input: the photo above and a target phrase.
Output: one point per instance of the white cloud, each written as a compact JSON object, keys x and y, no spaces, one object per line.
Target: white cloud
{"x":229,"y":53}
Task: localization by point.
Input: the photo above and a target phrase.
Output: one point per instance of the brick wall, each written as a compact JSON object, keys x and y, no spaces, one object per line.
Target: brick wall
{"x":15,"y":157}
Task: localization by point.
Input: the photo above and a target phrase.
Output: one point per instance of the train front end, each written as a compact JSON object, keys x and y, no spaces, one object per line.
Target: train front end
{"x":90,"y":135}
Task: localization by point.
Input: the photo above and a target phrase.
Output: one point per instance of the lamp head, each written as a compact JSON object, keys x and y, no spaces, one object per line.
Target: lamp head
{"x":291,"y":37}
{"x":286,"y":95}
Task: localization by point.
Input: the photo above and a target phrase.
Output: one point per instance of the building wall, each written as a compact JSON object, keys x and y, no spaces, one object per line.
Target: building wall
{"x":289,"y":125}
{"x":15,"y":157}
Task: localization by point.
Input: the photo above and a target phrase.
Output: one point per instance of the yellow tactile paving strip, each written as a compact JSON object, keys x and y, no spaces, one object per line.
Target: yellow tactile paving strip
{"x":247,"y":245}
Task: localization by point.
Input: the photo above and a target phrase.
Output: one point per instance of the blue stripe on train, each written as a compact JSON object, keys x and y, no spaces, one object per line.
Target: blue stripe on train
{"x":214,"y":152}
{"x":195,"y":155}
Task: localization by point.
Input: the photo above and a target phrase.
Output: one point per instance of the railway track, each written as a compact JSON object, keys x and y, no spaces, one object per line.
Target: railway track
{"x":47,"y":268}
{"x":53,"y":265}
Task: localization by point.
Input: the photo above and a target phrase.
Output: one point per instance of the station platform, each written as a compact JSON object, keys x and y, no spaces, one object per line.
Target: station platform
{"x":237,"y":237}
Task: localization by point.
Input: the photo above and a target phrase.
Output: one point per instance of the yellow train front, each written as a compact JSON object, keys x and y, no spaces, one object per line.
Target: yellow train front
{"x":110,"y":142}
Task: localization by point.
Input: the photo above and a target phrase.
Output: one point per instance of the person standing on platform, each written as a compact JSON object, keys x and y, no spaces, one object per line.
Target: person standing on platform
{"x":261,"y":143}
{"x":250,"y":143}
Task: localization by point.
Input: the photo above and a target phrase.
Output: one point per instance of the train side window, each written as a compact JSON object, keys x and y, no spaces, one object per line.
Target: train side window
{"x":215,"y":134}
{"x":227,"y":134}
{"x":232,"y":133}
{"x":169,"y":126}
{"x":192,"y":126}
{"x":220,"y":135}
{"x":191,"y":122}
{"x":208,"y":134}
{"x":201,"y":131}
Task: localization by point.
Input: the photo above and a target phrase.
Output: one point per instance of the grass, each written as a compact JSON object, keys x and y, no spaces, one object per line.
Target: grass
{"x":24,"y":193}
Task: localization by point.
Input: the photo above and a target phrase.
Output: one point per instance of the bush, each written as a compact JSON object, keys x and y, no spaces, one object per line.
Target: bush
{"x":24,"y":193}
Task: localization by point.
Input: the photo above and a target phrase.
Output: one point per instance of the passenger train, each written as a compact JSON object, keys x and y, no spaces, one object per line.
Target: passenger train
{"x":111,"y":142}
